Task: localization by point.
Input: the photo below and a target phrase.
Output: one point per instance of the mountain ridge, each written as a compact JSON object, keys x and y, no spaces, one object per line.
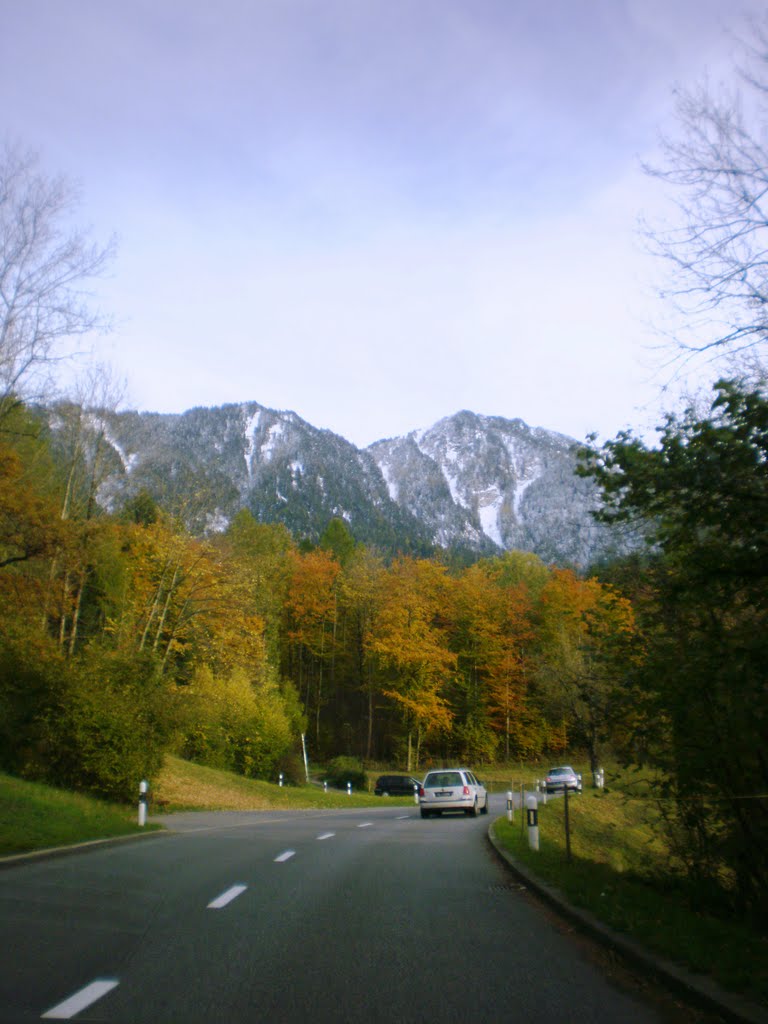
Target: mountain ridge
{"x":470,"y":483}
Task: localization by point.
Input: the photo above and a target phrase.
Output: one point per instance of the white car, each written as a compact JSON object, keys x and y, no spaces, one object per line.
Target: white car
{"x":562,"y":778}
{"x":452,"y":789}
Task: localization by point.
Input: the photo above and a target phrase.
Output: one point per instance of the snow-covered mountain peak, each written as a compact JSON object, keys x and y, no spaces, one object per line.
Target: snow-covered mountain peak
{"x":499,"y":481}
{"x":477,"y":483}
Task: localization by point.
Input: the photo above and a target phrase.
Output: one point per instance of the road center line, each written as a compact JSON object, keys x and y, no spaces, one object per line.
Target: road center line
{"x":81,"y":999}
{"x":327,"y":835}
{"x":226,"y":897}
{"x":286,"y":855}
{"x":366,"y":824}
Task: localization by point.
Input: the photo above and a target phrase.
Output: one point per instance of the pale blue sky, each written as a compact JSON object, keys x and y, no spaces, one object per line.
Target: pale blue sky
{"x":372,"y":212}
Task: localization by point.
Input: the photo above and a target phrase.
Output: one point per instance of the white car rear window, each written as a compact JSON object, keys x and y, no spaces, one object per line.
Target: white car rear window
{"x":437,"y":780}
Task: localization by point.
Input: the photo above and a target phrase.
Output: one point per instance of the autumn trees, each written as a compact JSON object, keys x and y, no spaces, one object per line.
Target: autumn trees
{"x":411,"y":663}
{"x":122,"y":634}
{"x":229,"y":648}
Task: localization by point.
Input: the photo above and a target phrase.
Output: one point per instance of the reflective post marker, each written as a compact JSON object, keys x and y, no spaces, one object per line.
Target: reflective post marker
{"x":510,"y":807}
{"x":532,"y":815}
{"x":142,"y":803}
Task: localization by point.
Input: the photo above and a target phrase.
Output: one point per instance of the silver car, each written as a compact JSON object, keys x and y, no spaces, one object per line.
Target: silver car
{"x":560,"y":779}
{"x":452,"y":789}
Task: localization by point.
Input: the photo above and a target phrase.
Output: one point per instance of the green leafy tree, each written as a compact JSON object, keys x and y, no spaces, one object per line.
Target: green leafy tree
{"x":702,"y":709}
{"x":337,"y":540}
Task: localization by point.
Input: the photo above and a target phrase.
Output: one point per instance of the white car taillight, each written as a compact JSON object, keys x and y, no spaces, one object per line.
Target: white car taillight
{"x":466,"y":791}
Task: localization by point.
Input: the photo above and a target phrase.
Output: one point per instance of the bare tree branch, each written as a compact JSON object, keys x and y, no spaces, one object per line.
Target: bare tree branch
{"x":717,"y":169}
{"x":44,"y":266}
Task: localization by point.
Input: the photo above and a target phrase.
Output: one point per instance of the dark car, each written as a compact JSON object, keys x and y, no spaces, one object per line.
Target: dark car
{"x":396,"y":785}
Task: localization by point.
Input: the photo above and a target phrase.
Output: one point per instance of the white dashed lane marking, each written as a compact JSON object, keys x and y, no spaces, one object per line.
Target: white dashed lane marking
{"x":97,"y":989}
{"x":226,"y":897}
{"x":80,"y":1000}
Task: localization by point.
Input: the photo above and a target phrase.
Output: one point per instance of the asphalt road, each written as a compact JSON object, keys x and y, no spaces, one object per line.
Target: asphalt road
{"x":329,"y":916}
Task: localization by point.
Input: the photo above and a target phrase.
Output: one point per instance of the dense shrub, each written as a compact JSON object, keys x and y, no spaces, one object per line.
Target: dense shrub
{"x":113,"y":728}
{"x":31,"y":699}
{"x":97,"y":725}
{"x":343,"y":770}
{"x":234,"y":723}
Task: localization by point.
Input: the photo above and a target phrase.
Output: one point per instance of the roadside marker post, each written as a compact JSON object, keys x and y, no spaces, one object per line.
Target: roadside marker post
{"x":510,"y":807}
{"x":281,"y":779}
{"x":532,"y":815}
{"x":415,"y":793}
{"x":349,"y":789}
{"x":143,"y":803}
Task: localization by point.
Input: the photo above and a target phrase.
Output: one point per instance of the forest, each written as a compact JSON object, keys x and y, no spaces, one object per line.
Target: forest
{"x":127,"y":636}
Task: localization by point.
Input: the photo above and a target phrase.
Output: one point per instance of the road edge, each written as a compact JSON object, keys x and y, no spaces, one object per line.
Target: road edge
{"x":51,"y":852}
{"x":697,"y":988}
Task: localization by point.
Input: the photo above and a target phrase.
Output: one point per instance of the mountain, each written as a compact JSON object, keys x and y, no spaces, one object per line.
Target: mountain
{"x":473,"y":484}
{"x":208,"y":463}
{"x":471,"y":479}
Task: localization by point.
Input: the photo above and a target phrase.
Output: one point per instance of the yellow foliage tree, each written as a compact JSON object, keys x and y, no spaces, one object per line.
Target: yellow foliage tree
{"x":412,"y":641}
{"x":586,"y":640}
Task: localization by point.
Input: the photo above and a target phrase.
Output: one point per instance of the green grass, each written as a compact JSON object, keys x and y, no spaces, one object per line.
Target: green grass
{"x":35,"y":817}
{"x":621,"y":871}
{"x":183,"y":785}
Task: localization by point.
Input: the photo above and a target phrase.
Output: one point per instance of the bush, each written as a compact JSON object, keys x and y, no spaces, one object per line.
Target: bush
{"x":111,"y":731}
{"x":292,"y":767}
{"x":343,"y":770}
{"x":31,"y":686}
{"x":234,"y":723}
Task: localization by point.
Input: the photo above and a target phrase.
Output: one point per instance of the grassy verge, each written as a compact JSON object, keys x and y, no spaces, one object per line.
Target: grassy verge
{"x":620,"y":872}
{"x":183,"y":785}
{"x":36,"y":817}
